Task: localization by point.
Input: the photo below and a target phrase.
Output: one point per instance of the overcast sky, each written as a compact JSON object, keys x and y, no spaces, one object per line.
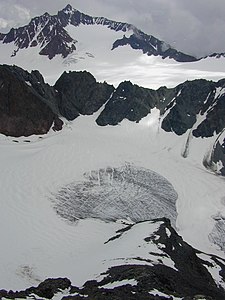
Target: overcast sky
{"x":193,"y":26}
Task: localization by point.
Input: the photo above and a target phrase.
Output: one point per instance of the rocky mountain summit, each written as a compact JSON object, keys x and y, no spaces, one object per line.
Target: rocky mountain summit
{"x":50,"y":35}
{"x":157,"y":265}
{"x":79,"y":93}
{"x":26,"y":103}
{"x":30,"y":106}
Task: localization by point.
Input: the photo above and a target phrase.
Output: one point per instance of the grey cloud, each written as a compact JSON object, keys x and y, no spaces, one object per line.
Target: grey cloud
{"x":13,"y":15}
{"x":194,"y":26}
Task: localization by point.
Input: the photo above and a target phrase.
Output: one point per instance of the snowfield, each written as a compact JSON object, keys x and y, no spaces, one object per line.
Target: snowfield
{"x":37,"y":243}
{"x":113,"y":66}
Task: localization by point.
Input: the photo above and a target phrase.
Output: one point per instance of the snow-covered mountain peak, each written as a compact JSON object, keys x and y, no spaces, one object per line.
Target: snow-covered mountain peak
{"x":48,"y":33}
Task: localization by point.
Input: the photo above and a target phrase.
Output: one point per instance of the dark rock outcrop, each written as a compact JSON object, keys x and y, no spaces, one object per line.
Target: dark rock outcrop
{"x":186,"y":105}
{"x":25,"y":103}
{"x":45,"y":32}
{"x":79,"y":93}
{"x":194,"y":100}
{"x":215,"y":160}
{"x":152,"y":46}
{"x":46,"y":289}
{"x":214,"y":109}
{"x":49,"y":287}
{"x":218,"y":156}
{"x":129,"y":101}
{"x":60,"y":42}
{"x":198,"y":105}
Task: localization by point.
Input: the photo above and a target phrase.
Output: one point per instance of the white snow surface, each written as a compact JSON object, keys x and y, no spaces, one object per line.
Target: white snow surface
{"x":36,"y":243}
{"x":94,"y":54}
{"x":158,"y":293}
{"x":119,"y":283}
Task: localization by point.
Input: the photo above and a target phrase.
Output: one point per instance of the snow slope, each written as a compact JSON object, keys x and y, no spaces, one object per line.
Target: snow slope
{"x":94,"y":54}
{"x":37,"y":243}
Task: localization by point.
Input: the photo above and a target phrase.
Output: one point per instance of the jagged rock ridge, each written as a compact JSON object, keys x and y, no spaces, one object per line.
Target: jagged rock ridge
{"x":152,"y":46}
{"x":129,"y":101}
{"x":194,"y":100}
{"x":81,"y":94}
{"x":50,"y":35}
{"x":197,"y":105}
{"x":30,"y":106}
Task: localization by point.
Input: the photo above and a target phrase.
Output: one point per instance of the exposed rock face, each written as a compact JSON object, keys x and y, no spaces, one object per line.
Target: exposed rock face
{"x":198,"y":105}
{"x":44,"y":31}
{"x":214,"y":110}
{"x":174,"y":269}
{"x":60,"y":42}
{"x":216,"y":159}
{"x":129,"y":101}
{"x":50,"y":34}
{"x":46,"y":289}
{"x":152,"y":46}
{"x":24,"y":100}
{"x":79,"y":93}
{"x":188,"y":102}
{"x":218,"y":156}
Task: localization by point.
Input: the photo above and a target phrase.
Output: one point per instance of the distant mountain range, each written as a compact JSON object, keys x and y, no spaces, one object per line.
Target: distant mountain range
{"x":52,"y":35}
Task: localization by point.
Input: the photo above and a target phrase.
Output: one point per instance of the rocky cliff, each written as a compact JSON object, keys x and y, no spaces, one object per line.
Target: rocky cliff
{"x":26,"y":103}
{"x":79,"y":93}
